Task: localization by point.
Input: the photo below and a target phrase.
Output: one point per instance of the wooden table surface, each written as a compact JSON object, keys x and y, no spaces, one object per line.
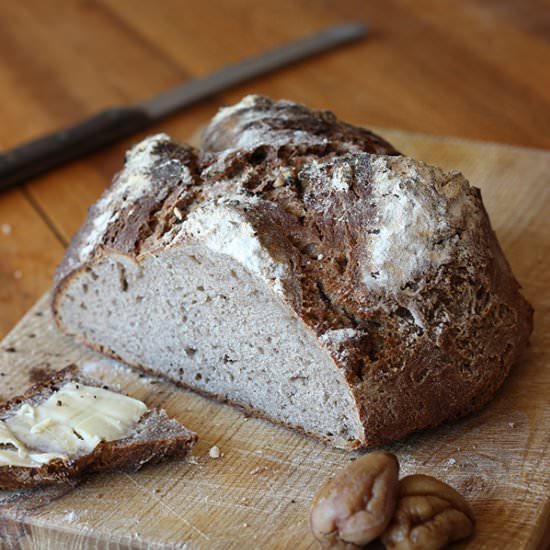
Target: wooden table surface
{"x":474,"y":69}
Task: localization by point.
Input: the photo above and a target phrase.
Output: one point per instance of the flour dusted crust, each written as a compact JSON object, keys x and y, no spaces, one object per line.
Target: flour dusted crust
{"x":390,"y":262}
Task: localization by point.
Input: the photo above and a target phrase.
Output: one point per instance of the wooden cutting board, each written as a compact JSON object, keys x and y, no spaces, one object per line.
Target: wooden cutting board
{"x":257,"y":494}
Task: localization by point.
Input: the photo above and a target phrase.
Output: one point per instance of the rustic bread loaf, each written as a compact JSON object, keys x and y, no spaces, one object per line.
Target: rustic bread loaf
{"x":40,"y":455}
{"x":301,"y":268}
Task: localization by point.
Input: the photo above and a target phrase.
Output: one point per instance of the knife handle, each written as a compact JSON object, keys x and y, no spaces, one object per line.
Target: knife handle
{"x":38,"y":156}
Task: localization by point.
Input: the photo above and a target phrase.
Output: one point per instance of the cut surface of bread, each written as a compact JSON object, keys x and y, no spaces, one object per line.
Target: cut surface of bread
{"x":301,"y":268}
{"x":217,"y":328}
{"x":70,"y":425}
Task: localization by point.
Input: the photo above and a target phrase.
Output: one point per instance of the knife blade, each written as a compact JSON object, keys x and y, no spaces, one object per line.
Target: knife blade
{"x":47,"y":152}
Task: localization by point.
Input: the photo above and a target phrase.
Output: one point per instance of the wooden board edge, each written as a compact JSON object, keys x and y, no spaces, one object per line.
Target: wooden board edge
{"x":387,"y":133}
{"x":21,"y":534}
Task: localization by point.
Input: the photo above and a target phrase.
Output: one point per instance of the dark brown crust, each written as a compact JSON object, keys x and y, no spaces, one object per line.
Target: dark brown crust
{"x":128,"y":454}
{"x":291,"y":124}
{"x":404,"y":377}
{"x":140,"y":220}
{"x":462,"y":373}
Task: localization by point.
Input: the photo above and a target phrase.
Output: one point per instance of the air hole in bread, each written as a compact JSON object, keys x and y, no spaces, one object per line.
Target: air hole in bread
{"x":258,"y":155}
{"x":190,"y":351}
{"x":342,"y":263}
{"x":404,"y":313}
{"x":122,"y":277}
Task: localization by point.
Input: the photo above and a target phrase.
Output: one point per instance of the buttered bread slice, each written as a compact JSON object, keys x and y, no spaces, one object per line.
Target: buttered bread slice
{"x":71,"y":425}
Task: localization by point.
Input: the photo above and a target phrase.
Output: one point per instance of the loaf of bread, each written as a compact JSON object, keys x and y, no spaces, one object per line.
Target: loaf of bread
{"x":303,"y":269}
{"x":69,"y":425}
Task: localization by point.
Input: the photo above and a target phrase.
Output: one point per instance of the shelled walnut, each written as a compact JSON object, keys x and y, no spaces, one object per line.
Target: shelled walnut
{"x":355,"y":506}
{"x":365,"y":501}
{"x":429,"y":515}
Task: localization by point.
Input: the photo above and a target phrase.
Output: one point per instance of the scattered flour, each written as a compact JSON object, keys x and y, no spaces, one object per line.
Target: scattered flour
{"x":226,"y":230}
{"x":418,"y":209}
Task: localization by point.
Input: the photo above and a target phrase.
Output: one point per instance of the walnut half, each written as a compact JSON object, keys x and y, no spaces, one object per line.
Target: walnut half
{"x":355,"y":506}
{"x":429,"y":515}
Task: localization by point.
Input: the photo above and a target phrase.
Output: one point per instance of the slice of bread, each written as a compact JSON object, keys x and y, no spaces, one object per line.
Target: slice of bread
{"x":303,"y":269}
{"x":149,"y":438}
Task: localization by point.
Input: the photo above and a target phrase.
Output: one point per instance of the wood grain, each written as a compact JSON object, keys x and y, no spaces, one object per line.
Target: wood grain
{"x":29,"y":255}
{"x":257,"y":494}
{"x":475,"y":69}
{"x":439,"y":67}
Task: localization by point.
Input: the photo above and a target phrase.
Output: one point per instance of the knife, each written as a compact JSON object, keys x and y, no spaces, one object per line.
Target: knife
{"x":44,"y":153}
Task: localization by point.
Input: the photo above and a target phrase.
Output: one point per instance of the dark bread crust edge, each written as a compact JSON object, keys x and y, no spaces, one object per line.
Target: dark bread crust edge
{"x":448,"y":404}
{"x":126,"y":454}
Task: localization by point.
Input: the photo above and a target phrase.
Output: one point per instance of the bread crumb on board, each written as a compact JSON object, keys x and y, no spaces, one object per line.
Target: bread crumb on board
{"x":71,"y":516}
{"x":17,"y":274}
{"x":214,"y":452}
{"x":6,"y":228}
